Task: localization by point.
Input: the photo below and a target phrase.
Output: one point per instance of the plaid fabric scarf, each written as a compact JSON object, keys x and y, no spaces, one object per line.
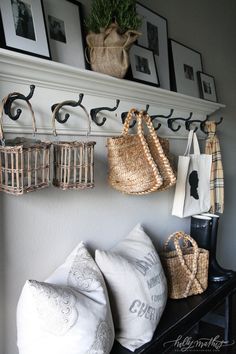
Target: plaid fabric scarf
{"x":217,"y":175}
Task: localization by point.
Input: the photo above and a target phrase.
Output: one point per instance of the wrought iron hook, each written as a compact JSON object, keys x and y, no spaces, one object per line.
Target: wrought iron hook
{"x":161,"y":116}
{"x":17,"y":96}
{"x":124,"y":114}
{"x":170,"y":122}
{"x":66,"y":103}
{"x":95,"y":111}
{"x":202,"y":124}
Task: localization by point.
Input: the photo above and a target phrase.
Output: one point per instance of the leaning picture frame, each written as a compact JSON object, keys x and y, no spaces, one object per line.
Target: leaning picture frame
{"x":142,"y":63}
{"x":22,"y":27}
{"x":185,"y":62}
{"x":65,"y":31}
{"x":207,"y":86}
{"x":154,"y":36}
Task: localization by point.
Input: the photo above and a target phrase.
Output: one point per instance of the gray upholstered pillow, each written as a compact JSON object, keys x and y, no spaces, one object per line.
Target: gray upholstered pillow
{"x":137,"y":287}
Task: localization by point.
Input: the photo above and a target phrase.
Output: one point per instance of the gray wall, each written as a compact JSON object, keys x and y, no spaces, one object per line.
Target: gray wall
{"x":40,"y":229}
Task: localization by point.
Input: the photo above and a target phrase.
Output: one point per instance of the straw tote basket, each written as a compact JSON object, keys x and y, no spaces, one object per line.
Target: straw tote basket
{"x":24,"y":163}
{"x":136,"y":167}
{"x":73,"y":160}
{"x":186,"y":268}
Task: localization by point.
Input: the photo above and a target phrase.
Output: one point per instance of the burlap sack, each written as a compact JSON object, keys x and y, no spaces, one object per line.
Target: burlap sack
{"x":108,"y":50}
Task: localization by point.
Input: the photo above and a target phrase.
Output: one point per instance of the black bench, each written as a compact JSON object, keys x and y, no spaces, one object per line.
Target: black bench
{"x":182,"y":315}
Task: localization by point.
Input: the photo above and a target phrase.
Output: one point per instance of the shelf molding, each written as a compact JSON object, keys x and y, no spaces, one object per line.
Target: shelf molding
{"x":25,"y":69}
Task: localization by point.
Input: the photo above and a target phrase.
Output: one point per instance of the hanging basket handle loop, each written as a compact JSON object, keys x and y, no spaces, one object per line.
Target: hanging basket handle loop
{"x":56,"y":110}
{"x":4,"y":100}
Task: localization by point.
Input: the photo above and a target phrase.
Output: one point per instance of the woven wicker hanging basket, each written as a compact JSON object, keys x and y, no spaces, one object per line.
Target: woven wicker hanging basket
{"x":73,"y":160}
{"x":186,"y":268}
{"x":24,"y":163}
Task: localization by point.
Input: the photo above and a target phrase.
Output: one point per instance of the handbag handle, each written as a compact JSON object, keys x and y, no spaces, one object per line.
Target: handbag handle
{"x":4,"y":100}
{"x":192,"y":138}
{"x":140,"y":133}
{"x":57,"y":108}
{"x":177,"y":236}
{"x":164,"y":160}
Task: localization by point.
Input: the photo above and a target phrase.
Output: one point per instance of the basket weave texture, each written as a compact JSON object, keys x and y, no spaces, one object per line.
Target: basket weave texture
{"x":73,"y":160}
{"x":24,"y":163}
{"x":186,"y":268}
{"x":138,"y":165}
{"x":73,"y":165}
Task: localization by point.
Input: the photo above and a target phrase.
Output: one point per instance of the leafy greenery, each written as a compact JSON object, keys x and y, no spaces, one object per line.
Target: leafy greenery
{"x":105,"y":12}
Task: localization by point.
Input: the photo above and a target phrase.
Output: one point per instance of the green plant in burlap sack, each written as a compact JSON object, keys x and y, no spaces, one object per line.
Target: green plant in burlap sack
{"x":112,"y":26}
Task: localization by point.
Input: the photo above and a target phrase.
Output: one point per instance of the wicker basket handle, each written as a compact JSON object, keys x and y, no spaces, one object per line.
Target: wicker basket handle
{"x":4,"y":100}
{"x":191,"y":273}
{"x":56,"y":110}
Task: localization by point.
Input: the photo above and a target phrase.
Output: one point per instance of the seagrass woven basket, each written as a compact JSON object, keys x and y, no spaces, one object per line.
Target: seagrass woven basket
{"x":186,"y":268}
{"x":73,"y":161}
{"x":24,"y":163}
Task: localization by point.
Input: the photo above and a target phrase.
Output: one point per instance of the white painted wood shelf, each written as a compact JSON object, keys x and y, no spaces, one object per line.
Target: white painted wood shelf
{"x":55,"y":82}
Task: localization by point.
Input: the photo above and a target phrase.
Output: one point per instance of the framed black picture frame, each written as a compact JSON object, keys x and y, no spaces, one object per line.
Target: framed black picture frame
{"x":207,"y":86}
{"x":185,"y":63}
{"x":22,"y":27}
{"x":142,"y":64}
{"x":64,"y":21}
{"x":154,"y":37}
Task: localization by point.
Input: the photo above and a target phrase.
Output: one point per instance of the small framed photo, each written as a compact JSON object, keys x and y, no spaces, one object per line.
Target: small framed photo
{"x":207,"y":86}
{"x":66,"y":40}
{"x":155,"y":37}
{"x":185,"y":63}
{"x":22,"y":27}
{"x":143,"y":66}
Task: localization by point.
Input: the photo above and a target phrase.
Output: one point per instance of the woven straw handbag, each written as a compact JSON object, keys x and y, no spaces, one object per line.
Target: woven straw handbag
{"x":132,"y":169}
{"x":24,"y":163}
{"x":73,"y":160}
{"x":186,"y":268}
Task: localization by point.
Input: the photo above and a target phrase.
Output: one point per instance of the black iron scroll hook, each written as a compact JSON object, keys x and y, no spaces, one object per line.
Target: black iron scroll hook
{"x":124,"y":115}
{"x":202,"y":124}
{"x":17,"y":96}
{"x":161,"y":116}
{"x":66,"y":103}
{"x":94,"y":112}
{"x":172,"y":120}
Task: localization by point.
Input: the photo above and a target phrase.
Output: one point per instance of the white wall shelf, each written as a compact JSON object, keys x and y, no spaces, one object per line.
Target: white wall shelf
{"x":56,"y":82}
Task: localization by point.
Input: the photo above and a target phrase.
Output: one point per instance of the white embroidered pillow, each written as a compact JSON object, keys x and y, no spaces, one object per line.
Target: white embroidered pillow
{"x":137,"y":287}
{"x":67,"y":314}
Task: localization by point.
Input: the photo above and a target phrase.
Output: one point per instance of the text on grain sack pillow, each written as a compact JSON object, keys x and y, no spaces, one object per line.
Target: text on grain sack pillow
{"x":136,"y":285}
{"x":67,"y":314}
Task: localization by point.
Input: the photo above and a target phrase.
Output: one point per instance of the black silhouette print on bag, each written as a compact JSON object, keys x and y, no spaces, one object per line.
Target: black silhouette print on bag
{"x":193,"y":181}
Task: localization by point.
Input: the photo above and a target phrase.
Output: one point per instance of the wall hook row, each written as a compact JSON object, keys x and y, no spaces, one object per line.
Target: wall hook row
{"x":95,"y":111}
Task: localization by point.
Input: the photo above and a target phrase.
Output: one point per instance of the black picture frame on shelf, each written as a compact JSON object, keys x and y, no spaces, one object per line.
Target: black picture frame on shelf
{"x":207,"y":86}
{"x":142,"y":64}
{"x":64,"y":21}
{"x":185,"y":63}
{"x":22,"y":27}
{"x":154,"y":37}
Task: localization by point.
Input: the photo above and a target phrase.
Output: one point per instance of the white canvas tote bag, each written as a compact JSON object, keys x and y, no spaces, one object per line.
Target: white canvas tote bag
{"x":192,"y":192}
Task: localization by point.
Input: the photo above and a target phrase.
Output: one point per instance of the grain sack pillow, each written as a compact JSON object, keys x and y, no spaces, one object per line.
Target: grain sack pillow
{"x":136,"y":286}
{"x":69,"y":313}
